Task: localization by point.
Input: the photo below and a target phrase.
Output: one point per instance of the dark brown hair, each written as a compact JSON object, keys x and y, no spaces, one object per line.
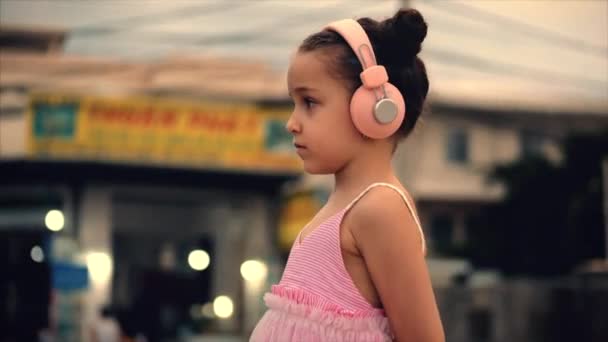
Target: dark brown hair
{"x":396,"y":42}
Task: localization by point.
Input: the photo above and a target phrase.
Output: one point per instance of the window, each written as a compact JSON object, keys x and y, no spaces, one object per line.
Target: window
{"x":442,"y":228}
{"x":531,"y":144}
{"x":457,"y":147}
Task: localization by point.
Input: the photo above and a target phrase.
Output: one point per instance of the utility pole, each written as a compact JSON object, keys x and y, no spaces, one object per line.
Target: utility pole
{"x":605,"y":200}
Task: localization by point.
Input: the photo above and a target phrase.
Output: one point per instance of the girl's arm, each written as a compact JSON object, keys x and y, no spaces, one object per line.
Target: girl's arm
{"x":389,"y":241}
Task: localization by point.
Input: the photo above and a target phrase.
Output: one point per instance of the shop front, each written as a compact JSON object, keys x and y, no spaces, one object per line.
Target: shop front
{"x":170,"y":209}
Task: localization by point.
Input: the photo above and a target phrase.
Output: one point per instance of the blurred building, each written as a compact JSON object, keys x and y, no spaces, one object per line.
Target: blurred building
{"x":153,"y":187}
{"x":28,"y":39}
{"x":447,"y":160}
{"x":25,"y":284}
{"x":445,"y":164}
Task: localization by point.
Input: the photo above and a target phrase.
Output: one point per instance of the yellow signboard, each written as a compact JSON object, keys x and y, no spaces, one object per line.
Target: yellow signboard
{"x":298,"y":209}
{"x":149,"y":131}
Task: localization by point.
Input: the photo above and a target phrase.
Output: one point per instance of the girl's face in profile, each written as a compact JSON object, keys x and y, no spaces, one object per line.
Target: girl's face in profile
{"x":324,"y":134}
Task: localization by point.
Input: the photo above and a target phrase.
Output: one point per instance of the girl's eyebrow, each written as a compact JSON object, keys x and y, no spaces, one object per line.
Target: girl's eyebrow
{"x":303,"y":89}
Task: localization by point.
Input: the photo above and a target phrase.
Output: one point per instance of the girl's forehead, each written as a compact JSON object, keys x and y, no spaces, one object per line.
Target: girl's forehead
{"x":308,"y":67}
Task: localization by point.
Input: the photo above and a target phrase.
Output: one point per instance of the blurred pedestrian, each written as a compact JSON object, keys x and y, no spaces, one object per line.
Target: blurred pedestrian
{"x":105,"y":328}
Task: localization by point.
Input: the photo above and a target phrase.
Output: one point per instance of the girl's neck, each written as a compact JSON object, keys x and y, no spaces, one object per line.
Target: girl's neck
{"x":362,"y":171}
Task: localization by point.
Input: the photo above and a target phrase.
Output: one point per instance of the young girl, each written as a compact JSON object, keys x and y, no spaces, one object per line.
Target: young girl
{"x":356,"y":272}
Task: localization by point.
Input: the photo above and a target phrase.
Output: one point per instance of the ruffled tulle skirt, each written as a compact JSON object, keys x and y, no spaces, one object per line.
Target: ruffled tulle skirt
{"x":295,"y":315}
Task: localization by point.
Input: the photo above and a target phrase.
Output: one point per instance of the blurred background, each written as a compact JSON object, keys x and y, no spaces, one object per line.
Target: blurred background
{"x":147,"y":184}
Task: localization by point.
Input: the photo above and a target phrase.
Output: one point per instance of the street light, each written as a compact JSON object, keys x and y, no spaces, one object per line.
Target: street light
{"x":54,"y":220}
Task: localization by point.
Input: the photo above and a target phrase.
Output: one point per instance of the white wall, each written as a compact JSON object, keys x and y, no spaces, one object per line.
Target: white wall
{"x":12,"y":136}
{"x":95,"y":236}
{"x":422,"y":164}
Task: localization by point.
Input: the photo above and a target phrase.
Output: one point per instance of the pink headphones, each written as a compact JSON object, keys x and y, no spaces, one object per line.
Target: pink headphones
{"x":377,"y":108}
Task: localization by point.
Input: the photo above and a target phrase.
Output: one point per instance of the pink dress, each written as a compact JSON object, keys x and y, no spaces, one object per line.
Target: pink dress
{"x":316,"y":299}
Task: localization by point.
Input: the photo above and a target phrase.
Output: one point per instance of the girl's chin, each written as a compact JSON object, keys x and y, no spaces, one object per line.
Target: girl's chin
{"x":315,"y":169}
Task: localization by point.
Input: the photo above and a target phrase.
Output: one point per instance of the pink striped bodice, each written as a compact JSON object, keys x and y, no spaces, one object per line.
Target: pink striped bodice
{"x":316,"y":268}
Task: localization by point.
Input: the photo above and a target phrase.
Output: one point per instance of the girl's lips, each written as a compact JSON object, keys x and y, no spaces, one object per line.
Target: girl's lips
{"x":300,"y":150}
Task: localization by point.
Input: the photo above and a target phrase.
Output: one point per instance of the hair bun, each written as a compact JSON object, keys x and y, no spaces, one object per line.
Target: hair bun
{"x":405,"y":31}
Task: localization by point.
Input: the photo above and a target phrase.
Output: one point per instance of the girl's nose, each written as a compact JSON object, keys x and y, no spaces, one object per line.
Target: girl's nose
{"x":292,"y":125}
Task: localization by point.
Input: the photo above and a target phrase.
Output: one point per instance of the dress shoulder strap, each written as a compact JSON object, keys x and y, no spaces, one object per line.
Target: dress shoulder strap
{"x":405,"y":199}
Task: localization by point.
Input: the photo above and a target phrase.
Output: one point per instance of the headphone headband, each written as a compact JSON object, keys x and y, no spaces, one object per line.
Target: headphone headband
{"x":358,"y":40}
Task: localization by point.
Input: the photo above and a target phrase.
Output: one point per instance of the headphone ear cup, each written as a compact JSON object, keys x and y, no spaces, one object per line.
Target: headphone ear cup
{"x":362,"y":107}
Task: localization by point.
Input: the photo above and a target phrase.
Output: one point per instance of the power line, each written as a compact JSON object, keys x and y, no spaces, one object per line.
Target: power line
{"x":515,"y":25}
{"x":114,"y":26}
{"x":440,"y":55}
{"x":264,"y":31}
{"x":476,"y":63}
{"x":261,"y":32}
{"x":452,"y":28}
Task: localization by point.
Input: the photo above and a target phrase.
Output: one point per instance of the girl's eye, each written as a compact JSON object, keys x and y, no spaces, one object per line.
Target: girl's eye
{"x":309,"y":102}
